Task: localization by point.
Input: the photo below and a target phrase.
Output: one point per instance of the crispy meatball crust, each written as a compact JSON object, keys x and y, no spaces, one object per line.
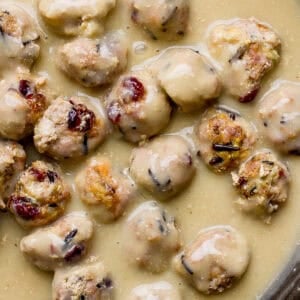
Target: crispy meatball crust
{"x":188,"y":78}
{"x":18,"y":39}
{"x":161,"y":19}
{"x":94,"y":62}
{"x":164,"y":166}
{"x":138,"y":106}
{"x":70,"y":127}
{"x":247,"y":50}
{"x":263,"y":184}
{"x":12,"y":163}
{"x":161,"y":290}
{"x":224,"y":139}
{"x":279,"y":112}
{"x":80,"y":17}
{"x":63,"y":242}
{"x":150,"y":237}
{"x":40,"y":196}
{"x":215,"y":260}
{"x":104,"y":190}
{"x":23,"y":99}
{"x":88,"y":281}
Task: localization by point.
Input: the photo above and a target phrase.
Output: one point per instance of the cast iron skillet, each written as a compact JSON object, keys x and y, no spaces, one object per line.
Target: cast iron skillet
{"x":287,"y":285}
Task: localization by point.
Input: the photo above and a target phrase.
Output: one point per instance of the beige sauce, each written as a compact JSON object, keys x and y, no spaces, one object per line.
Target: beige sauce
{"x":209,"y":201}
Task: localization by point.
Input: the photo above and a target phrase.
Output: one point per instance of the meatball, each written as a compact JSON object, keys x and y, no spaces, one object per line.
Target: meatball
{"x":63,"y":242}
{"x":246,"y":50}
{"x":18,"y":38}
{"x":12,"y":162}
{"x":138,"y":106}
{"x":40,"y":195}
{"x":23,"y":99}
{"x":164,"y":166}
{"x":88,"y":281}
{"x":104,"y":189}
{"x":279,"y":112}
{"x":188,"y":78}
{"x":70,"y":127}
{"x":215,"y":260}
{"x":161,"y":290}
{"x":263,"y":184}
{"x":76,"y":17}
{"x":150,"y":237}
{"x":93,"y":62}
{"x":161,"y":19}
{"x":224,"y":139}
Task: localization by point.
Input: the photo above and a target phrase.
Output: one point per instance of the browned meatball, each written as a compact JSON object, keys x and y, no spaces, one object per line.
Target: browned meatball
{"x":150,"y":237}
{"x":94,"y":62}
{"x":215,"y":260}
{"x":40,"y":196}
{"x":23,"y":100}
{"x":63,"y":242}
{"x":70,"y":127}
{"x":80,"y":17}
{"x":138,"y":106}
{"x":246,"y":49}
{"x":224,"y":139}
{"x":263,"y":184}
{"x":87,"y":281}
{"x":104,"y":189}
{"x":18,"y":38}
{"x":161,"y":19}
{"x":12,"y":162}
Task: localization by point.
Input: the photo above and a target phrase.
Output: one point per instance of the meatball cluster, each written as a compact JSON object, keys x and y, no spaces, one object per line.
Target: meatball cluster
{"x":150,"y":237}
{"x":215,"y":260}
{"x":164,"y":166}
{"x":138,"y":106}
{"x":104,"y":190}
{"x":23,"y":99}
{"x":263,"y":184}
{"x":19,"y":38}
{"x":247,"y":50}
{"x":161,"y":19}
{"x":61,"y":243}
{"x":76,"y":18}
{"x":89,"y":281}
{"x":94,"y":62}
{"x":12,"y":163}
{"x":224,"y":139}
{"x":188,"y":78}
{"x":70,"y":127}
{"x":279,"y":112}
{"x":40,"y":196}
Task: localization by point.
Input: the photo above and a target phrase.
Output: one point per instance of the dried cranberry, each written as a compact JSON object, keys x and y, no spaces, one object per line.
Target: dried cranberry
{"x":75,"y":252}
{"x":26,"y":89}
{"x":250,"y":96}
{"x":24,"y":207}
{"x":135,"y":88}
{"x":38,"y":174}
{"x":114,"y":112}
{"x":80,"y":118}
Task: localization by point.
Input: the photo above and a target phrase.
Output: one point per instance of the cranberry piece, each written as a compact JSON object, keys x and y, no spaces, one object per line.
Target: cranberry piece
{"x":38,"y":174}
{"x":135,"y":87}
{"x":114,"y":112}
{"x":24,"y":207}
{"x":26,"y":89}
{"x":75,"y":252}
{"x":250,"y":96}
{"x":80,"y":118}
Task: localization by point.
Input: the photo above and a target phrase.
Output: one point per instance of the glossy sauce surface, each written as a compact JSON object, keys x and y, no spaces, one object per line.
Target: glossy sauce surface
{"x":208,"y":201}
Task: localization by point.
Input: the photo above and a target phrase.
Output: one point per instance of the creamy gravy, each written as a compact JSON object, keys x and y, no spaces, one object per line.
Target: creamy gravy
{"x":209,"y":200}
